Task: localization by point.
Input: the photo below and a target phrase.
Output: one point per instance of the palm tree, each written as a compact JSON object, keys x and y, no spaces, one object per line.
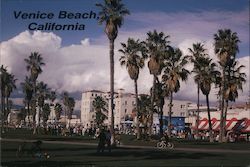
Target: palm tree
{"x":46,"y":111}
{"x":174,"y":71}
{"x":226,"y":48}
{"x":144,"y":111}
{"x":7,"y":86}
{"x":28,"y":92}
{"x":4,"y":76}
{"x":160,"y":93}
{"x":58,"y":110}
{"x":112,"y":14}
{"x":234,"y":81}
{"x":100,"y":106}
{"x":34,"y":63}
{"x":43,"y":93}
{"x":156,"y":44}
{"x":197,"y":53}
{"x":207,"y":77}
{"x":134,"y":54}
{"x":69,"y":104}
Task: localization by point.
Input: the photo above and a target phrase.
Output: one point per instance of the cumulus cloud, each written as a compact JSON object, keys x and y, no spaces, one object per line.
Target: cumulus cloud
{"x":77,"y":68}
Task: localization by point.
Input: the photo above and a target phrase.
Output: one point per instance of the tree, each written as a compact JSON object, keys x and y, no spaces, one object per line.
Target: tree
{"x":69,"y":104}
{"x":100,"y":106}
{"x":7,"y":86}
{"x":160,"y":93}
{"x":174,"y":71}
{"x":226,"y":48}
{"x":4,"y":76}
{"x":156,"y":44}
{"x":112,"y":14}
{"x":58,"y":110}
{"x":134,"y":55}
{"x":208,"y":76}
{"x":197,"y":53}
{"x":28,"y":92}
{"x":234,"y":79}
{"x":43,"y":93}
{"x":144,"y":110}
{"x":46,"y":111}
{"x":33,"y":65}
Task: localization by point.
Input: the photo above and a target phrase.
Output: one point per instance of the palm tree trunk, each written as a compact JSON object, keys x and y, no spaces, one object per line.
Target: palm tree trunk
{"x":28,"y":105}
{"x":161,"y":121}
{"x":198,"y":111}
{"x":170,"y":114}
{"x":152,"y":106}
{"x":34,"y":118}
{"x":7,"y":107}
{"x":137,"y":110}
{"x":224,"y":122}
{"x":222,"y":133}
{"x":111,"y":57}
{"x":209,"y":120}
{"x":2,"y":113}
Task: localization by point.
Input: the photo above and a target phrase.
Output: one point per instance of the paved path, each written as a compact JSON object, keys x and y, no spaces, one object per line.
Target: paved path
{"x":136,"y":147}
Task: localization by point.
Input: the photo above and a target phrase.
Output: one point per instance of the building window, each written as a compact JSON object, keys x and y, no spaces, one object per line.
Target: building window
{"x":126,"y":102}
{"x":125,"y":110}
{"x":92,"y":94}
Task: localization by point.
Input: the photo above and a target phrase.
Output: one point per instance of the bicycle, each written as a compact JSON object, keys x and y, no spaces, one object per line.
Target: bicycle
{"x":163,"y":145}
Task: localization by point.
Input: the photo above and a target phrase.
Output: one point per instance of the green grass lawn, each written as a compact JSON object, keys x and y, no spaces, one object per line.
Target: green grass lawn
{"x":125,"y":139}
{"x":79,"y":155}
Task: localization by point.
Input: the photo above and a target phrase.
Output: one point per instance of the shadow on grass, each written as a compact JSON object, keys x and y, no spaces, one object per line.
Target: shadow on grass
{"x":45,"y":163}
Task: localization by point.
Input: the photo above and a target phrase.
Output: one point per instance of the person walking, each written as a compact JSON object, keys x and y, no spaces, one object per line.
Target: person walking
{"x":102,"y":140}
{"x":108,"y":140}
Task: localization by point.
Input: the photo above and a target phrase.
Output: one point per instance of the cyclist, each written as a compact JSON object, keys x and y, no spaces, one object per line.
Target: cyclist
{"x":165,"y":138}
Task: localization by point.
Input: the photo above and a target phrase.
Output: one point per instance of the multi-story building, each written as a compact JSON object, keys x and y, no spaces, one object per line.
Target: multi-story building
{"x":124,"y":105}
{"x":87,"y":110}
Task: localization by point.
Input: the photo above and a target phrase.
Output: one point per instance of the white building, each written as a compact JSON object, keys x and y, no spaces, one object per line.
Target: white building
{"x":179,"y":108}
{"x":124,"y":105}
{"x":87,"y":110}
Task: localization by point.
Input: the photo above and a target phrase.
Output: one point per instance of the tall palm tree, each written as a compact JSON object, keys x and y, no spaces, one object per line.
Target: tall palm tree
{"x":33,"y":65}
{"x":134,"y":55}
{"x":112,"y":14}
{"x":100,"y":106}
{"x":156,"y":44}
{"x":208,"y":76}
{"x":226,"y":48}
{"x":174,"y":71}
{"x":234,"y":81}
{"x":197,"y":53}
{"x":28,"y":92}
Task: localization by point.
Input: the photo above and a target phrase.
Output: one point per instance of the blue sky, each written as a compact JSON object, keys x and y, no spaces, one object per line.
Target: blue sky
{"x":77,"y":61}
{"x":11,"y":27}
